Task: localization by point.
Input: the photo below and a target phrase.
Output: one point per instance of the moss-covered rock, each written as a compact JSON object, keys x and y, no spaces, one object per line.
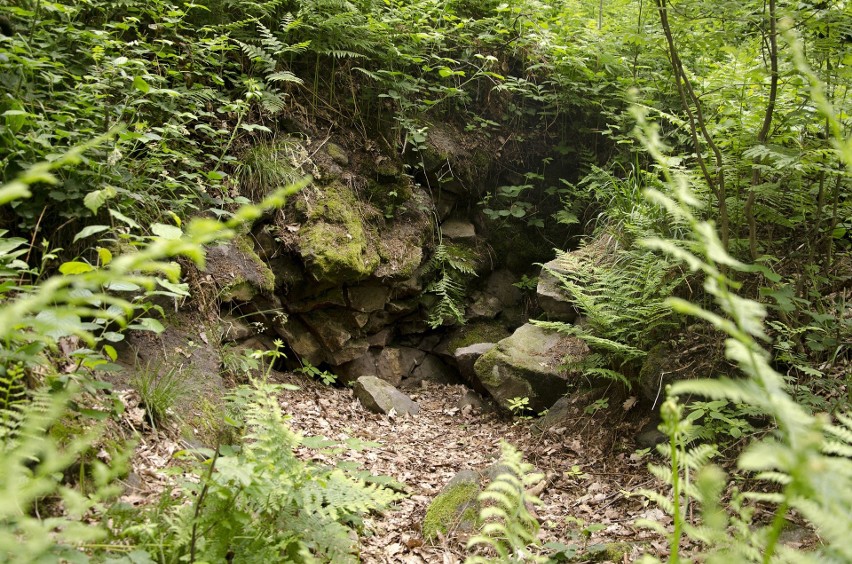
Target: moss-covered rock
{"x":455,"y":509}
{"x":530,"y":364}
{"x":239,"y":273}
{"x":335,"y":243}
{"x":475,"y":333}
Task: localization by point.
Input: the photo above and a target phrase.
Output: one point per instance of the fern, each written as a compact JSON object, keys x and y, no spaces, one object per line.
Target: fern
{"x":621,"y":293}
{"x":263,"y":503}
{"x":452,"y":266}
{"x":509,"y":528}
{"x":793,"y":462}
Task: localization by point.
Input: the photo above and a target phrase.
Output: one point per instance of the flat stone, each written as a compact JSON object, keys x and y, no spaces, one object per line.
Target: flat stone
{"x":553,"y":299}
{"x":456,"y":229}
{"x":466,"y":357}
{"x":380,"y":397}
{"x":368,"y":298}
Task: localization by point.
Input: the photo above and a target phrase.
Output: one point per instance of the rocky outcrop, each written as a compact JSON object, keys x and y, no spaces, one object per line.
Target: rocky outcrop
{"x":380,"y":397}
{"x":529,"y":364}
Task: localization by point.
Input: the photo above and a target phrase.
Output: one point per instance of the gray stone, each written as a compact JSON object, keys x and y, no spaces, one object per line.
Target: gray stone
{"x":500,"y":284}
{"x":529,"y":364}
{"x":368,"y":298}
{"x":353,"y":349}
{"x":466,"y":357}
{"x":235,"y":329}
{"x":471,"y":400}
{"x":300,"y":340}
{"x":380,"y":339}
{"x":456,"y":229}
{"x":380,"y":397}
{"x":553,"y":299}
{"x":364,"y":365}
{"x":332,"y":297}
{"x":409,"y":359}
{"x":432,"y":369}
{"x":237,"y":272}
{"x":329,"y":328}
{"x":651,"y":438}
{"x":484,"y":307}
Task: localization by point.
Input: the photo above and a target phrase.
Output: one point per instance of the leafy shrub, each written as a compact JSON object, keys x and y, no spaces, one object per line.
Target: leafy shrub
{"x":259,"y":502}
{"x":509,"y":529}
{"x":798,"y":463}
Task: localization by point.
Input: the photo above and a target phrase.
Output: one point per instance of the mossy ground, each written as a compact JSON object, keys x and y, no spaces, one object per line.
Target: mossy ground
{"x":451,"y":510}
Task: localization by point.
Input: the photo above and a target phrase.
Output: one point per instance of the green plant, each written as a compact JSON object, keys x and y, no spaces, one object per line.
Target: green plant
{"x":508,"y":527}
{"x":32,"y":466}
{"x":259,"y":500}
{"x":597,"y":405}
{"x":451,"y":266}
{"x":324,"y":376}
{"x":797,"y":462}
{"x":160,"y":389}
{"x":718,"y":421}
{"x":519,"y":405}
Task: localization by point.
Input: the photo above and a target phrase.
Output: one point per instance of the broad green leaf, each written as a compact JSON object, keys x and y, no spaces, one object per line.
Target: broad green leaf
{"x":148,"y":324}
{"x":110,"y":352}
{"x":75,"y":267}
{"x":104,"y":256}
{"x":121,"y":217}
{"x":94,"y":200}
{"x":58,"y":323}
{"x":179,"y":289}
{"x":89,"y":231}
{"x":166,"y":231}
{"x":140,"y":85}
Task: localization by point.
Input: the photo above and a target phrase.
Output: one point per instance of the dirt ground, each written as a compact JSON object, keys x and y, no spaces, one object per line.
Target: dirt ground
{"x":590,"y":466}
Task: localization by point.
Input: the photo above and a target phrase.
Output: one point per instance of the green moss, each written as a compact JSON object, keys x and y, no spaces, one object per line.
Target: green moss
{"x":478,"y":333}
{"x":337,"y":154}
{"x":245,"y":244}
{"x":335,"y":243}
{"x":454,"y":508}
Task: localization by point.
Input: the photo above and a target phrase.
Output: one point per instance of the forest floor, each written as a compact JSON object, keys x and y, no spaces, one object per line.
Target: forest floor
{"x":590,"y":465}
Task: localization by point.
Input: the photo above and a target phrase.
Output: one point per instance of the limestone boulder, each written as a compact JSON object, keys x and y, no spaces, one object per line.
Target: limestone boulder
{"x":466,"y":357}
{"x":553,"y":299}
{"x":380,"y":397}
{"x":529,"y":364}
